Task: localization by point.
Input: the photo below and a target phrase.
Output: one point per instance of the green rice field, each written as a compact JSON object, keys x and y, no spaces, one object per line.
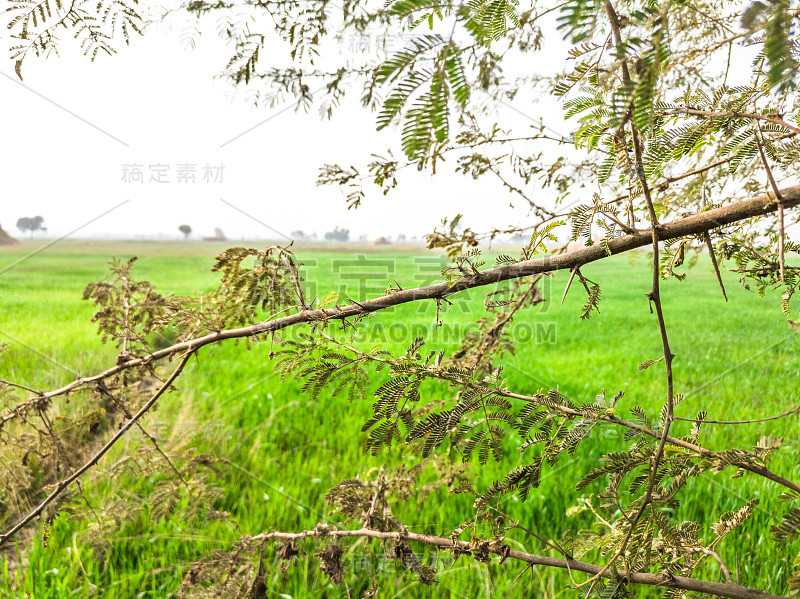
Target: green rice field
{"x":277,"y":452}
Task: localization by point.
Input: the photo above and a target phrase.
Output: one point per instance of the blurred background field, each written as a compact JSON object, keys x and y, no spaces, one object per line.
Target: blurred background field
{"x":280,"y":453}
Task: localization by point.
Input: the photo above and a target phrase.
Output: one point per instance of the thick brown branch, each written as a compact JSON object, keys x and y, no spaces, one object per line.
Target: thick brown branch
{"x":719,"y":589}
{"x":684,"y":227}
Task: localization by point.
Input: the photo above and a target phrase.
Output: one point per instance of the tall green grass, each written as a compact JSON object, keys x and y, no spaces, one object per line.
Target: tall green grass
{"x":283,"y":452}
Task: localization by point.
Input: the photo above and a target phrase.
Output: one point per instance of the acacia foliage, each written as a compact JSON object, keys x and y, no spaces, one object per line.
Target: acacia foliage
{"x":666,"y":122}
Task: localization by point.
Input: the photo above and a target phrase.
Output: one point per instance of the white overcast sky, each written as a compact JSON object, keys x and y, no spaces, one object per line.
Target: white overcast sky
{"x":70,"y":128}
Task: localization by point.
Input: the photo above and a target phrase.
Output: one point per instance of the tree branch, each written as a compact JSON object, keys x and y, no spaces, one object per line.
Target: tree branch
{"x":731,"y":591}
{"x":654,"y":296}
{"x":770,"y":118}
{"x":62,"y":485}
{"x":683,"y":227}
{"x":677,"y":442}
{"x":791,"y":412}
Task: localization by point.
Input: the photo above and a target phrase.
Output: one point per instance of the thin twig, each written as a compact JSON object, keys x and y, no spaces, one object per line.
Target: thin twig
{"x":62,"y":485}
{"x":296,"y":277}
{"x":770,"y":118}
{"x":791,"y":412}
{"x":144,"y":432}
{"x":18,"y":386}
{"x":725,"y":572}
{"x":516,"y":524}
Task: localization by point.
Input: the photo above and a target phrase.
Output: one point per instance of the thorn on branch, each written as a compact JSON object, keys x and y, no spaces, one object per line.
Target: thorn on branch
{"x":778,"y":199}
{"x":439,"y":301}
{"x":569,"y":284}
{"x":713,"y":255}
